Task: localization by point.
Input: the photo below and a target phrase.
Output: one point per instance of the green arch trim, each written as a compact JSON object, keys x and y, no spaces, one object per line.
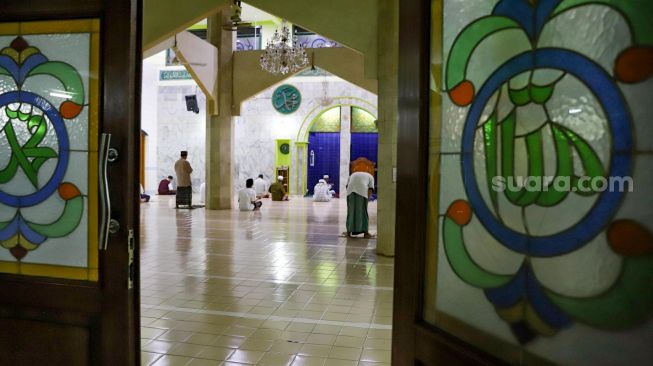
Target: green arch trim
{"x":322,"y":113}
{"x":307,"y":123}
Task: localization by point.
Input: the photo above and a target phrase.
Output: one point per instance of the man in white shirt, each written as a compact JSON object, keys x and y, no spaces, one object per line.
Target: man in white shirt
{"x":325,"y":178}
{"x":261,"y":187}
{"x":359,"y":188}
{"x":247,"y":197}
{"x":321,"y":192}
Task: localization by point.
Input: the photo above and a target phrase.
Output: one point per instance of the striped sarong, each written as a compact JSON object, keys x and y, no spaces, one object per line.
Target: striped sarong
{"x":184,"y":196}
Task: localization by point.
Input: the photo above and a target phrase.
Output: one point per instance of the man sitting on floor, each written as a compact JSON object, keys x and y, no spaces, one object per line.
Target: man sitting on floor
{"x":247,"y":200}
{"x":321,"y":192}
{"x":261,"y":187}
{"x":278,"y":191}
{"x":164,"y":187}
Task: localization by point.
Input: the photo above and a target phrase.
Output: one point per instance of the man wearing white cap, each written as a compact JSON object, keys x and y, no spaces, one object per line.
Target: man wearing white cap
{"x":278,"y":191}
{"x":329,"y":185}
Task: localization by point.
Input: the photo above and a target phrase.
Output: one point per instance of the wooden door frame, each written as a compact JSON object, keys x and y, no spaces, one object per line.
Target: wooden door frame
{"x":120,"y":50}
{"x":141,"y":160}
{"x":415,"y":341}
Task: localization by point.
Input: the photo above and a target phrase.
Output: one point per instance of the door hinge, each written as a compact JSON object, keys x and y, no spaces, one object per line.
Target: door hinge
{"x":130,"y":263}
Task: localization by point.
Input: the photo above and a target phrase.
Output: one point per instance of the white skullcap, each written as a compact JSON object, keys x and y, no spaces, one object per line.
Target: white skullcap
{"x":326,"y":176}
{"x":280,"y":177}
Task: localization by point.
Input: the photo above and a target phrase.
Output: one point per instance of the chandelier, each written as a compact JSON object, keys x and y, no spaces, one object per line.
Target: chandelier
{"x":282,"y":54}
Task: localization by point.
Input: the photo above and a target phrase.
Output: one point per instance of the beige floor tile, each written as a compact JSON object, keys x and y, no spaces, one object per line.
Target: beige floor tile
{"x":148,"y":358}
{"x":238,"y":331}
{"x":338,"y":317}
{"x":203,"y":362}
{"x":275,"y":324}
{"x":158,"y":346}
{"x":325,"y":339}
{"x":186,"y":349}
{"x":345,"y":353}
{"x":268,"y":334}
{"x":285,"y":347}
{"x":300,"y":327}
{"x":215,"y":353}
{"x":229,"y":341}
{"x":378,"y":343}
{"x":246,"y":357}
{"x":366,"y":363}
{"x":299,"y":337}
{"x":347,"y":341}
{"x":354,"y":332}
{"x":327,"y":329}
{"x":202,"y":338}
{"x":309,"y":361}
{"x":255,"y":344}
{"x":201,"y":261}
{"x":315,"y":350}
{"x":151,"y":333}
{"x":271,"y":359}
{"x":175,"y":336}
{"x":379,"y":333}
{"x":170,"y":360}
{"x":375,"y":355}
{"x":337,"y":362}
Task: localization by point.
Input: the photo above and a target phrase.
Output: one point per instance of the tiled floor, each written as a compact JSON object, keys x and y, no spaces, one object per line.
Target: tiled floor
{"x":275,"y":287}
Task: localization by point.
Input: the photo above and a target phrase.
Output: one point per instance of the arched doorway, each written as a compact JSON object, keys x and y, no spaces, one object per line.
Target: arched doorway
{"x":334,"y":137}
{"x":324,"y":149}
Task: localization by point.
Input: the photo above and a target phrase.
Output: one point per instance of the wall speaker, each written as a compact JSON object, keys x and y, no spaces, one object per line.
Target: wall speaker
{"x":191,"y":104}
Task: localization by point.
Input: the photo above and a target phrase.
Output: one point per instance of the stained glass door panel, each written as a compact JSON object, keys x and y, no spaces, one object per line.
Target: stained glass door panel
{"x":541,"y":245}
{"x":48,"y":148}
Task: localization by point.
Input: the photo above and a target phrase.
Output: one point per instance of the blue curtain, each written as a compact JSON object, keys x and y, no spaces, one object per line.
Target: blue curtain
{"x":323,"y":159}
{"x":364,"y":145}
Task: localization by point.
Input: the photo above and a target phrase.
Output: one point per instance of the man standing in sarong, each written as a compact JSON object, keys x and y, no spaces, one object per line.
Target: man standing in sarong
{"x":359,"y":188}
{"x":184,"y":189}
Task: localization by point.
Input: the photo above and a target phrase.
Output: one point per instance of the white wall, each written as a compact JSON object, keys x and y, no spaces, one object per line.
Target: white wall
{"x":149,"y":92}
{"x":260,"y":125}
{"x":180,"y":130}
{"x":169,"y":126}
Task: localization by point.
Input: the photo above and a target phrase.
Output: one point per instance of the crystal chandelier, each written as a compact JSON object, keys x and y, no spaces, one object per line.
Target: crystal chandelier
{"x":282,"y":54}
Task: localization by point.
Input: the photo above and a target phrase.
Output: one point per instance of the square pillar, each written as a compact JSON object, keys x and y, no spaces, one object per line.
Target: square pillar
{"x":345,"y":147}
{"x":219,"y":120}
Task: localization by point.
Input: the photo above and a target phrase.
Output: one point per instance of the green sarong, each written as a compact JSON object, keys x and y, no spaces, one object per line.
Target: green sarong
{"x":357,"y":219}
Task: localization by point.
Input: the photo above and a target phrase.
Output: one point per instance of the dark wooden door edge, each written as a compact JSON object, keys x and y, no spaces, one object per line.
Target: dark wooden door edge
{"x":412,"y":141}
{"x":436,"y":347}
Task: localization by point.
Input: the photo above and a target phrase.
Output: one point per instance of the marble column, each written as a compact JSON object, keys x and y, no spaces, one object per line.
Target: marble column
{"x":300,"y":168}
{"x":219,"y":120}
{"x":345,"y":147}
{"x":388,"y":67}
